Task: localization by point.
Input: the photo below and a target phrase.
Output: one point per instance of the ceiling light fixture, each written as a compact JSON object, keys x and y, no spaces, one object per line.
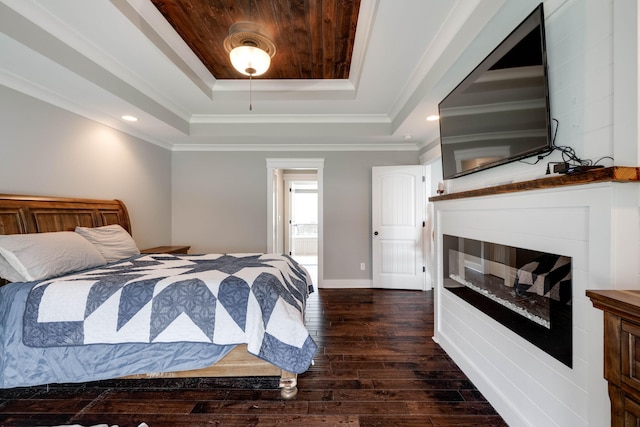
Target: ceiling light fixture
{"x":250,"y":50}
{"x":129,"y":118}
{"x":433,"y":118}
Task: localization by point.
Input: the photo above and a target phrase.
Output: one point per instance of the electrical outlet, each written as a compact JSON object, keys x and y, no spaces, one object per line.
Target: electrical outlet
{"x":362,"y":266}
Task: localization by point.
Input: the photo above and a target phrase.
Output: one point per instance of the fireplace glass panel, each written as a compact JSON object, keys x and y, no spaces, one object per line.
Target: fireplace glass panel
{"x":527,"y":291}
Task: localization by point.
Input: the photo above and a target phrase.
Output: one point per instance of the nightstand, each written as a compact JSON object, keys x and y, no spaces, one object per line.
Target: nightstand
{"x":166,"y":250}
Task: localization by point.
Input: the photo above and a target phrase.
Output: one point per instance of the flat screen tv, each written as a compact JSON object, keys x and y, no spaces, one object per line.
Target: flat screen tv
{"x":500,"y":112}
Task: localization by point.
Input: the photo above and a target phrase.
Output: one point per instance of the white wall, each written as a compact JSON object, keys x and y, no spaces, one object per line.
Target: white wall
{"x":581,"y":43}
{"x":592,"y":50}
{"x":45,"y":150}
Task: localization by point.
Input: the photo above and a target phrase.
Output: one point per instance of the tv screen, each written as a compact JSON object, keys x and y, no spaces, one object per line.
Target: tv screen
{"x":500,"y":112}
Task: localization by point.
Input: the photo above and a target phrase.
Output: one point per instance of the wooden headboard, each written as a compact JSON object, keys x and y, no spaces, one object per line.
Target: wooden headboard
{"x":36,"y":214}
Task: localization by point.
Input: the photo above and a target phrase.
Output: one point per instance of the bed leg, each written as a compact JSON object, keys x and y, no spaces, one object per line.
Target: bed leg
{"x":288,"y":385}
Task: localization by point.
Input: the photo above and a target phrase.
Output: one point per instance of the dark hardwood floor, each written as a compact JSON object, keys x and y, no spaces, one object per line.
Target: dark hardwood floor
{"x":376,"y":366}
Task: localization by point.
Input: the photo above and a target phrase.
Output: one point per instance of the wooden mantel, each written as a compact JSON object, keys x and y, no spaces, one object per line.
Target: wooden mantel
{"x":610,"y":174}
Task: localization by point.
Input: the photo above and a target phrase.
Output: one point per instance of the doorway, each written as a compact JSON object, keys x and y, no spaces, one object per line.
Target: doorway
{"x":276,"y":190}
{"x":301,"y":218}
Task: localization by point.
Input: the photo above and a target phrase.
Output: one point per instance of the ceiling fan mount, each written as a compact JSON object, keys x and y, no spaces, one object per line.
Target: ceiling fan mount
{"x":247,"y":33}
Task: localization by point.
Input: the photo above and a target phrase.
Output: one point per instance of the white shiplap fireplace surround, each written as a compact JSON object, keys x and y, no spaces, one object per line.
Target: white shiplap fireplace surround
{"x":597,"y":224}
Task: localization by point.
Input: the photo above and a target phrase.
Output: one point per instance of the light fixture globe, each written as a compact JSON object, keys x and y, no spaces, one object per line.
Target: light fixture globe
{"x":249,"y":49}
{"x":250,"y":60}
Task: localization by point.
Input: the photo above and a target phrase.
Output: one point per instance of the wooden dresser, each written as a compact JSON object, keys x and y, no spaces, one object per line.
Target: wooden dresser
{"x":621,"y":352}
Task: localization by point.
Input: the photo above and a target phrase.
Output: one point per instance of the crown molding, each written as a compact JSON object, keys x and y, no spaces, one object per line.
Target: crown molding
{"x":146,"y":17}
{"x":279,"y":89}
{"x":143,"y":15}
{"x":366,"y":18}
{"x":463,"y":24}
{"x":289,"y":118}
{"x":41,"y":93}
{"x":296,"y":147}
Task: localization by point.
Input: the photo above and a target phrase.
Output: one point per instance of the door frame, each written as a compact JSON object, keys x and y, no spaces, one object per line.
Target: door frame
{"x":274,"y":166}
{"x":288,"y":180}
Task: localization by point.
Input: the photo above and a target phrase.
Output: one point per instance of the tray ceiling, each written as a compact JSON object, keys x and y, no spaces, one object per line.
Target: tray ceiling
{"x":313,"y":38}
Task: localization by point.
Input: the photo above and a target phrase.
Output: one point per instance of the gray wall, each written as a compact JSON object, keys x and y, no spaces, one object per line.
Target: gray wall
{"x":220,"y":203}
{"x":213,"y":201}
{"x":48,"y":151}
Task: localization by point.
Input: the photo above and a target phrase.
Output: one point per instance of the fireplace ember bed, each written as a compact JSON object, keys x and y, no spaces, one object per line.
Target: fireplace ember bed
{"x":525,"y":290}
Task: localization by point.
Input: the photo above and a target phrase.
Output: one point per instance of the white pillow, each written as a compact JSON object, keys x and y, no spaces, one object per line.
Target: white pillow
{"x":112,"y":241}
{"x":40,"y":256}
{"x":9,"y":273}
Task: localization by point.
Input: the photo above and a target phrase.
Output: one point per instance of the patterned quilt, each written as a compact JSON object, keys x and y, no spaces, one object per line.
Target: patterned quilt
{"x":257,"y":299}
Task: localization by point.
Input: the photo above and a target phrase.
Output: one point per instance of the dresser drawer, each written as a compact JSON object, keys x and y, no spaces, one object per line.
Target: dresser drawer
{"x":631,"y":412}
{"x":630,"y":354}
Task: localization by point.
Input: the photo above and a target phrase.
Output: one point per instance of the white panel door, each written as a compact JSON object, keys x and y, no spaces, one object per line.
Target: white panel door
{"x":397,"y":220}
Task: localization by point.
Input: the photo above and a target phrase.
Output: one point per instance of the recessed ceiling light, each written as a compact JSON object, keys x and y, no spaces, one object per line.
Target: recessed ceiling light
{"x":130,"y":118}
{"x":432,"y":118}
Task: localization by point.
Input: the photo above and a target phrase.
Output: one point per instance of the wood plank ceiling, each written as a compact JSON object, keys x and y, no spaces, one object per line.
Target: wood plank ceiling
{"x":313,"y":38}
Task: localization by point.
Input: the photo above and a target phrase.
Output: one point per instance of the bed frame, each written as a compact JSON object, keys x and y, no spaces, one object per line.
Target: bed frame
{"x":37,"y":214}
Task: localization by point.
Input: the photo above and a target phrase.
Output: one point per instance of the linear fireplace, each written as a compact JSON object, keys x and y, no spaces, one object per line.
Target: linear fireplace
{"x":527,"y":291}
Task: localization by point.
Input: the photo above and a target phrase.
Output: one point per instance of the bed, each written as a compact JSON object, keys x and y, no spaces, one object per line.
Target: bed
{"x":133,"y":315}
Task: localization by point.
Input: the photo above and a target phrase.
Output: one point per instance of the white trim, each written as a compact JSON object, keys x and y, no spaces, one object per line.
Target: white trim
{"x":427,"y":230}
{"x":168,"y":41}
{"x":44,"y":94}
{"x":280,"y":89}
{"x":366,"y":19}
{"x":431,"y":153}
{"x":296,"y":147}
{"x":293,"y":163}
{"x":289,"y":178}
{"x":347,"y":284}
{"x":90,"y":61}
{"x":465,"y":21}
{"x":289,"y":118}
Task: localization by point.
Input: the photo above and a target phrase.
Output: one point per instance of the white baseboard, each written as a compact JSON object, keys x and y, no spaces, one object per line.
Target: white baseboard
{"x":346,"y":284}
